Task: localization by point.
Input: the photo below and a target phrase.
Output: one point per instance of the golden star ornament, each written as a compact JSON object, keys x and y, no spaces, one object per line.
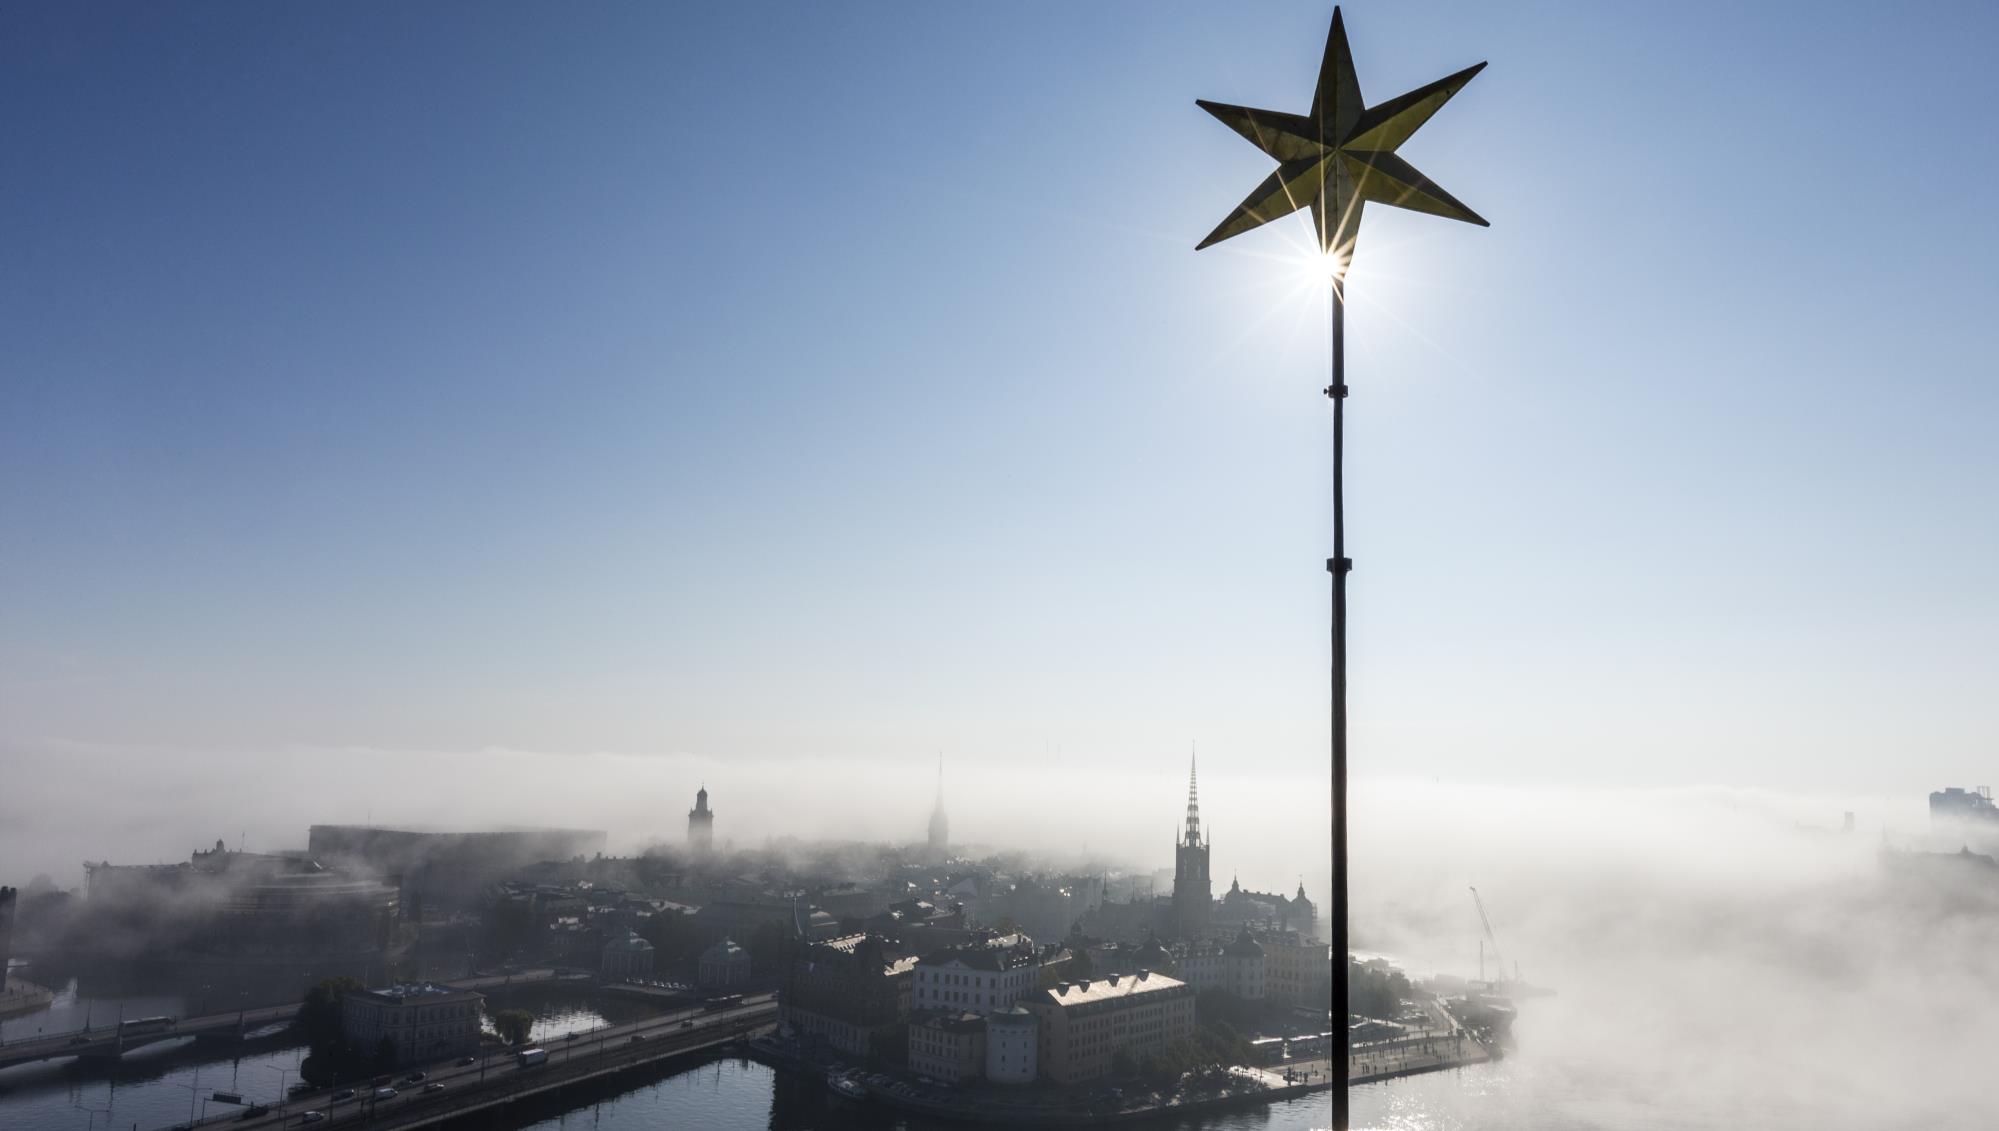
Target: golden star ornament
{"x":1340,"y":156}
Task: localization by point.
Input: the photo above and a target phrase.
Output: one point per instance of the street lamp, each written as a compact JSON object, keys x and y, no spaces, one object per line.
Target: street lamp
{"x":194,"y":1093}
{"x":283,"y":1070}
{"x":1334,"y":160}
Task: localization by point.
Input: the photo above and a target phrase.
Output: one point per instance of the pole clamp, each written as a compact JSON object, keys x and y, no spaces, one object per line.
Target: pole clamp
{"x":1339,"y":565}
{"x":1336,"y":392}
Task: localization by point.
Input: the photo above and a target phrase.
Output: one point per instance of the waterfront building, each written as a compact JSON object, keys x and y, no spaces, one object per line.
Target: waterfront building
{"x":947,"y":1046}
{"x":701,"y":823}
{"x":852,"y":992}
{"x":1010,"y":1045}
{"x":1298,"y":969}
{"x":627,"y":957}
{"x":724,"y":964}
{"x":1082,"y":1025}
{"x":1193,"y":895}
{"x":423,"y":1021}
{"x":975,"y":977}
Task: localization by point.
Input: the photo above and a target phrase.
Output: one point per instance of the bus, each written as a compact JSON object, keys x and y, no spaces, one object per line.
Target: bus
{"x":726,"y":1001}
{"x":144,"y":1025}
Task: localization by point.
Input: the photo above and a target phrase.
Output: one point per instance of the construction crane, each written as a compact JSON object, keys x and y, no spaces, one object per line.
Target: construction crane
{"x":1498,"y":963}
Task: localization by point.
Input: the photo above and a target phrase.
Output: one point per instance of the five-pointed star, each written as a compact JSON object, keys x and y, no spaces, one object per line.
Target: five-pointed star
{"x":1341,"y":155}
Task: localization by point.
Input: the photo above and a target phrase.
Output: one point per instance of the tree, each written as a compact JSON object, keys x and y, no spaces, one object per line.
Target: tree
{"x":1079,"y":965}
{"x":1375,"y":992}
{"x":319,"y":1012}
{"x":513,"y":1025}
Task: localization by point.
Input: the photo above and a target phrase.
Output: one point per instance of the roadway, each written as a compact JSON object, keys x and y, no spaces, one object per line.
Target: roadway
{"x":106,"y":1041}
{"x":498,"y":1077}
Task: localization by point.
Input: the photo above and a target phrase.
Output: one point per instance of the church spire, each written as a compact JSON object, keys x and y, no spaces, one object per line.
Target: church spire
{"x":940,"y":827}
{"x":1193,"y":833}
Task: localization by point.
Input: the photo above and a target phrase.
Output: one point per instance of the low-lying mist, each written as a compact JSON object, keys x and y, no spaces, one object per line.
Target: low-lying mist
{"x":1720,"y":958}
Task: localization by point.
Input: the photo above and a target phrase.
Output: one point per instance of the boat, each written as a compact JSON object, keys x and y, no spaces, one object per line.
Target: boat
{"x":844,"y":1084}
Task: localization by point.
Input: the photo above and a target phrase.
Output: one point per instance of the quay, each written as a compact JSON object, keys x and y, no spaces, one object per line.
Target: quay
{"x":477,"y":1093}
{"x":988,"y":1104}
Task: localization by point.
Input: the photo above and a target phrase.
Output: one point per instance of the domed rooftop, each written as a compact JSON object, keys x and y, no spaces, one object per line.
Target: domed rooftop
{"x":723,"y":951}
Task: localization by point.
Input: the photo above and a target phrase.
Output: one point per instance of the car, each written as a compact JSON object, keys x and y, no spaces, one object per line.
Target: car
{"x":313,"y":1117}
{"x":636,"y":1037}
{"x":384,"y":1094}
{"x":687,"y":1024}
{"x":255,"y":1110}
{"x":569,"y":1036}
{"x":465,"y":1060}
{"x":433,"y":1086}
{"x":343,"y":1094}
{"x":416,"y":1077}
{"x":300,"y":1088}
{"x":79,"y":1039}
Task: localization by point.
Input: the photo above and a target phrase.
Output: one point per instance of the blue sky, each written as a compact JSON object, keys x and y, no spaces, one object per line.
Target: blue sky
{"x":839,"y":382}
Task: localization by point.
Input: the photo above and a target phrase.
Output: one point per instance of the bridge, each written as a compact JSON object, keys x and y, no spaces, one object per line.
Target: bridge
{"x":497,"y":1080}
{"x":109,"y":1043}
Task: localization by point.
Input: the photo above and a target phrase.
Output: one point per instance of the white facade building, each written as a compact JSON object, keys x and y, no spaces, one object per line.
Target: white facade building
{"x":423,"y":1020}
{"x":977,"y":978}
{"x":1011,"y":1040}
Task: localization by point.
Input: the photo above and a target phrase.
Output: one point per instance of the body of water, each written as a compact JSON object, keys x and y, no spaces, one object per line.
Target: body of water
{"x":151,"y":1087}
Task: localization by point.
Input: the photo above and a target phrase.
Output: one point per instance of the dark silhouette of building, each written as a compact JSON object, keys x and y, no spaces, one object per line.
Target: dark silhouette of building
{"x":701,"y":823}
{"x":450,"y":870}
{"x":1971,"y":805}
{"x":853,"y":993}
{"x":1193,"y":898}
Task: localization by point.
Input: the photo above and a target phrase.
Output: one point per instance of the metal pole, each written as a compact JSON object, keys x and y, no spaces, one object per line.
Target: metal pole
{"x":1339,"y":565}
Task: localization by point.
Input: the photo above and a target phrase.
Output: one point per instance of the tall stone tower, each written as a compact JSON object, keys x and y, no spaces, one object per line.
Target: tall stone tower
{"x":1193,"y":899}
{"x":940,"y":826}
{"x":700,"y":823}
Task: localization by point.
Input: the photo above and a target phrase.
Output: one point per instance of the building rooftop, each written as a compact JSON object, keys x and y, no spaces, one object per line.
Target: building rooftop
{"x":723,"y":951}
{"x":410,"y":991}
{"x":961,"y":1022}
{"x":1092,"y":990}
